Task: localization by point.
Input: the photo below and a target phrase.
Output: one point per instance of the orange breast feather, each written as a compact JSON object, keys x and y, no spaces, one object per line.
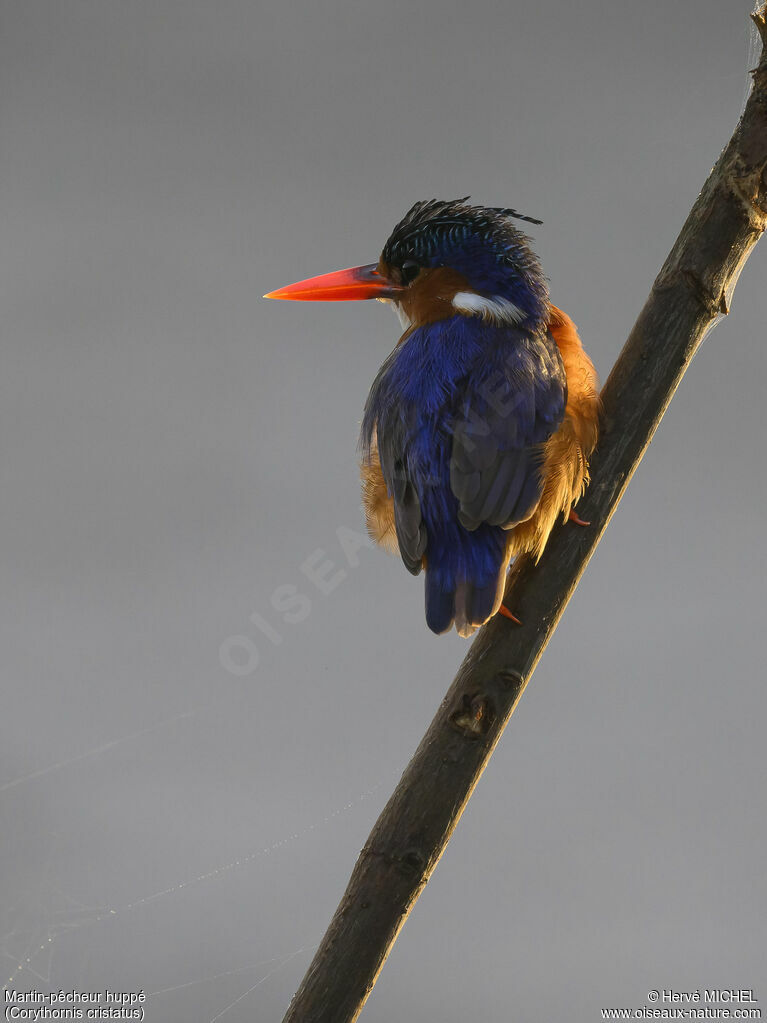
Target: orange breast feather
{"x":566,"y":453}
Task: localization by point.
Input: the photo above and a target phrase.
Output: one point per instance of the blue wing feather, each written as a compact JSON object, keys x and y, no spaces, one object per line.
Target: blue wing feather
{"x":498,"y":436}
{"x":461,"y":410}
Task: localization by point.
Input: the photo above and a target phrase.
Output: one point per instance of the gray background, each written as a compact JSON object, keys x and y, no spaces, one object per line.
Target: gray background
{"x":174,"y":448}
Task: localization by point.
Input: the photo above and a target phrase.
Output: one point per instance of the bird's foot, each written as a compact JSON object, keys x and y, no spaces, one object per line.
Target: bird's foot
{"x":572,"y":517}
{"x":503,"y":610}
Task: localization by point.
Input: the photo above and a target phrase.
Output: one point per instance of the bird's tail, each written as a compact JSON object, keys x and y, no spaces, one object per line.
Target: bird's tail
{"x":463,"y":603}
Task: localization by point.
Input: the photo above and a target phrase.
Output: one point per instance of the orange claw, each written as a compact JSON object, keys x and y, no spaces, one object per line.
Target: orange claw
{"x":503,"y":610}
{"x":572,"y":517}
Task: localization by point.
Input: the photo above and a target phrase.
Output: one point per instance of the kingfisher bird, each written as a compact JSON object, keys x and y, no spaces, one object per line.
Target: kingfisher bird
{"x":478,"y":428}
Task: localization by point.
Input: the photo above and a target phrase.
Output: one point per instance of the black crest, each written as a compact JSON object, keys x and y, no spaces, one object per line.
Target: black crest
{"x":453,"y":221}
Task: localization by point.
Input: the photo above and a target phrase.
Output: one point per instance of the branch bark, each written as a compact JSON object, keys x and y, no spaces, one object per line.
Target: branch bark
{"x":694,"y":288}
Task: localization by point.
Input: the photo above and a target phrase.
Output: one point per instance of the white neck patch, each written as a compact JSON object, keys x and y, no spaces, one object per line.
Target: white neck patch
{"x":493,"y":310}
{"x":402,"y":316}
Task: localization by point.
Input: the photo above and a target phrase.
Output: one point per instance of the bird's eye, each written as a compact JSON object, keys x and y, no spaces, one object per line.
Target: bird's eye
{"x":409,"y":270}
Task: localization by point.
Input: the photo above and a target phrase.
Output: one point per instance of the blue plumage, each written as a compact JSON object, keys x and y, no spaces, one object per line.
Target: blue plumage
{"x":460,"y":398}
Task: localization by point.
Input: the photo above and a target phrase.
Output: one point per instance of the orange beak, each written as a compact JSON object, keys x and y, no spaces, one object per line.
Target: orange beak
{"x":342,"y":286}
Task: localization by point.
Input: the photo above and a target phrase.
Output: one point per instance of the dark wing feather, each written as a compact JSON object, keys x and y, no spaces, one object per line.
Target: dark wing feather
{"x":408,"y":520}
{"x":499,"y":432}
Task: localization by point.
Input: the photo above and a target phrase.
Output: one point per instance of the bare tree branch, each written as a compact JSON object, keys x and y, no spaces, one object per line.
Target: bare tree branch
{"x":693,"y":289}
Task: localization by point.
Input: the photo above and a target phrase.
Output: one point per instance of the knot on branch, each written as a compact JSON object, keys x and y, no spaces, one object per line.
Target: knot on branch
{"x":474,"y":717}
{"x":714,"y":303}
{"x":511,"y":679}
{"x":748,"y":176}
{"x":411,"y":862}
